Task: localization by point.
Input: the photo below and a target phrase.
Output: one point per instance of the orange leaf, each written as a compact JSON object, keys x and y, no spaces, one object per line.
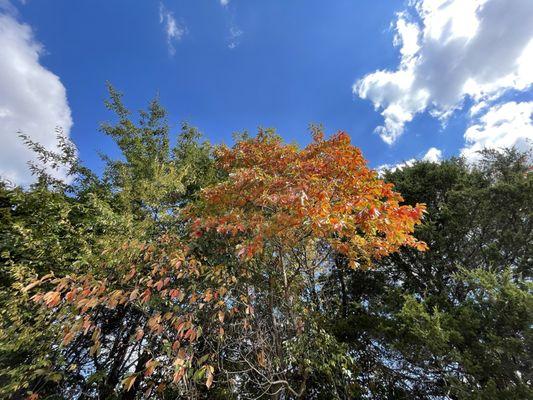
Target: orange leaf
{"x":209,"y":373}
{"x":150,"y":366}
{"x":178,"y":375}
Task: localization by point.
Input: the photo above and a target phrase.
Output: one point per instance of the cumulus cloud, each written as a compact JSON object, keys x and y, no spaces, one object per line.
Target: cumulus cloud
{"x":224,"y":2}
{"x":433,"y":155}
{"x":503,"y":126}
{"x":452,"y":50}
{"x":32,"y":99}
{"x":173,"y":29}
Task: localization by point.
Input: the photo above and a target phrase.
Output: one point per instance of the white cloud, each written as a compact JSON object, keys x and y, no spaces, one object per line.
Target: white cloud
{"x":452,"y":50}
{"x":173,"y":30}
{"x":234,"y":32}
{"x":504,"y":125}
{"x":235,"y":35}
{"x":393,"y":167}
{"x":33,"y":100}
{"x":433,"y":155}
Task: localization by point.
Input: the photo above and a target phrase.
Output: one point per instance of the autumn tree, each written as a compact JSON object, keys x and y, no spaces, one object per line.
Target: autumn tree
{"x":283,"y":218}
{"x":176,"y":299}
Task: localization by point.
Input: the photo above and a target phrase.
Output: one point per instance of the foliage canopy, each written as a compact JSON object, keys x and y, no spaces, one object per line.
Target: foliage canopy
{"x":264,"y":270}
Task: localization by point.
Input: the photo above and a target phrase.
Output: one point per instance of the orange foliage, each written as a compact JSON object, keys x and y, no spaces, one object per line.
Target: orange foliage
{"x":274,"y":194}
{"x":145,"y":279}
{"x":325,"y":191}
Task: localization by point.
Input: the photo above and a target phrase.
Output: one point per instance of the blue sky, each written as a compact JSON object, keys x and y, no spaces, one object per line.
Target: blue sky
{"x":277,"y":63}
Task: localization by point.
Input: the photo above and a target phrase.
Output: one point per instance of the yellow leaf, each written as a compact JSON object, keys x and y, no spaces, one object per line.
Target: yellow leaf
{"x":31,"y":285}
{"x":129,"y":381}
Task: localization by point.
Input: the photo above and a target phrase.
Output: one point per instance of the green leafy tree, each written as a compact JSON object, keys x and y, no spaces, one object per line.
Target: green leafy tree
{"x":455,"y":321}
{"x":53,"y":229}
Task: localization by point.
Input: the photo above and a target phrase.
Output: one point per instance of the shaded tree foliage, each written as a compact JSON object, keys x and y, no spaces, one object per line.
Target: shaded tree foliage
{"x":453,"y":322}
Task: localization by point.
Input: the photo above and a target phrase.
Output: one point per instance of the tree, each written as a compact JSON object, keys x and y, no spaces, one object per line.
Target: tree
{"x":98,"y":233}
{"x":155,"y":310}
{"x":264,"y":270}
{"x":43,"y":231}
{"x":282,"y":219}
{"x":452,"y":322}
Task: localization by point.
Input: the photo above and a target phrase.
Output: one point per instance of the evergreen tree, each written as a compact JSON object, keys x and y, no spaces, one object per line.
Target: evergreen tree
{"x":453,"y":322}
